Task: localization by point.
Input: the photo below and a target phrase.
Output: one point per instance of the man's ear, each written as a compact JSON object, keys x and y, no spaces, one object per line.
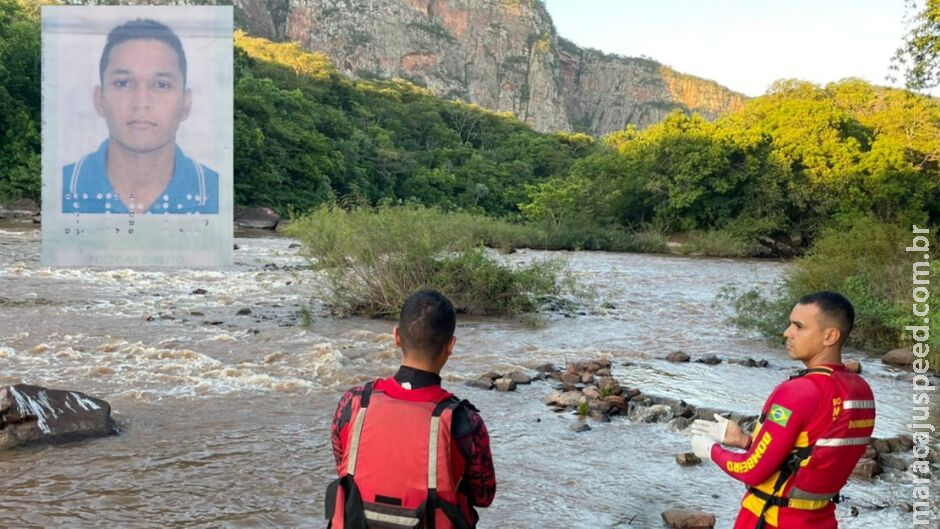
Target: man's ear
{"x":831,"y":336}
{"x":449,"y":348}
{"x":97,"y":98}
{"x":187,"y":104}
{"x":396,"y":336}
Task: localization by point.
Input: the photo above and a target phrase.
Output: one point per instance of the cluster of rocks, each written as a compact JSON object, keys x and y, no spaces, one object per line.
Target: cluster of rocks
{"x":588,"y":388}
{"x":31,"y":413}
{"x":23,"y":209}
{"x":679,"y":357}
{"x":891,"y":454}
{"x":770,"y":247}
{"x":503,"y":382}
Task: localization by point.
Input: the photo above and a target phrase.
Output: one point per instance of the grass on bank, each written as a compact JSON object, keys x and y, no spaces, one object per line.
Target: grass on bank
{"x":864,"y":259}
{"x":375,"y":257}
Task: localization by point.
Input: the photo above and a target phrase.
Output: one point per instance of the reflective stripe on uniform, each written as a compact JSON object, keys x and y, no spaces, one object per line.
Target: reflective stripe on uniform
{"x":800,"y":494}
{"x":432,"y":452}
{"x":404,"y":521}
{"x":807,"y":505}
{"x":354,"y":445}
{"x":756,"y":498}
{"x":858,"y":404}
{"x":846,"y":441}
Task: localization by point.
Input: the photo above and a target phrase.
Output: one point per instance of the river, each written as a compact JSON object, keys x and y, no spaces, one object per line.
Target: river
{"x":226,"y":416}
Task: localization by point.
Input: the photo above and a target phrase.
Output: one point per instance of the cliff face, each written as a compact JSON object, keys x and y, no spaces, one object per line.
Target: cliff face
{"x":500,"y":54}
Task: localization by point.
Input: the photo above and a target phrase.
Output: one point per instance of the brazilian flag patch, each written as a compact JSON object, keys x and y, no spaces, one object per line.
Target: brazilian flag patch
{"x":779,"y":415}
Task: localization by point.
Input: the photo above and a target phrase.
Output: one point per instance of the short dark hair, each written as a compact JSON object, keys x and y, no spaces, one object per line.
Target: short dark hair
{"x":141,"y":29}
{"x":836,"y":308}
{"x":426,"y":323}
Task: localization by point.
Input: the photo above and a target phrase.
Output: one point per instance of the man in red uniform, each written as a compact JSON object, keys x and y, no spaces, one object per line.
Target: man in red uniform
{"x":812,"y":431}
{"x":419,"y":455}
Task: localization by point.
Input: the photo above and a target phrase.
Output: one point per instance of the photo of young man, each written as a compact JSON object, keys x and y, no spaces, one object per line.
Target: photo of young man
{"x":143,"y":98}
{"x":137,"y":135}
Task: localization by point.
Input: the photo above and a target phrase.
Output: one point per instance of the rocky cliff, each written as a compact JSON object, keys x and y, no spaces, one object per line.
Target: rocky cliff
{"x":504,"y":55}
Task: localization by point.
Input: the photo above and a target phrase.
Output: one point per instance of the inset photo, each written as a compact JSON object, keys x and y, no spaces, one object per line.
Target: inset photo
{"x":137,"y":136}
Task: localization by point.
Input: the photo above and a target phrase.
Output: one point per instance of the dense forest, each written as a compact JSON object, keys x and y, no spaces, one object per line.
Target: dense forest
{"x":785,"y":165}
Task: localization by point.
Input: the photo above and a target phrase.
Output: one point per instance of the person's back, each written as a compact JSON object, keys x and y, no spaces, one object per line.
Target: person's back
{"x":405,"y":447}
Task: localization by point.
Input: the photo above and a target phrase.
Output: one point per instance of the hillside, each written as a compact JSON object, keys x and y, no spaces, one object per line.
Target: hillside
{"x":503,"y":55}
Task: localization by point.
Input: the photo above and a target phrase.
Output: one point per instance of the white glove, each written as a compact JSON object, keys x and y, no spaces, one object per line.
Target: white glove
{"x":712,"y":430}
{"x":702,"y":447}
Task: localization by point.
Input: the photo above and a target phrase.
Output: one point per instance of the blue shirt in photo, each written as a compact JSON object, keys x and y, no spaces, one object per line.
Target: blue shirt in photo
{"x":194,"y":188}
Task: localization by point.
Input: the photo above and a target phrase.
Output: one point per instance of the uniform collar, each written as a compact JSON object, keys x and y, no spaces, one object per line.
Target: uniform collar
{"x":416,"y":378}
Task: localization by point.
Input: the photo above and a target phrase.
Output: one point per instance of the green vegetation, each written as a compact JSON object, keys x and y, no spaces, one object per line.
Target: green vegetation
{"x":19,"y":100}
{"x":864,"y":259}
{"x":582,"y":408}
{"x":375,"y":258}
{"x":305,"y":134}
{"x":784,"y":166}
{"x":918,"y":58}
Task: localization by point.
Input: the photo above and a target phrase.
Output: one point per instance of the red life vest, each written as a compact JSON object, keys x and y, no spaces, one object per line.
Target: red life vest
{"x":396,"y":468}
{"x":817,"y":469}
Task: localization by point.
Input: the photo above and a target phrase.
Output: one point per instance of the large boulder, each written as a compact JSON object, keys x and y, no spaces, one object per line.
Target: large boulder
{"x":519,"y":377}
{"x":898,"y":357}
{"x":853,"y":366}
{"x":31,"y":413}
{"x":654,"y":413}
{"x":256,"y":218}
{"x":867,"y":469}
{"x":709,"y":359}
{"x":678,"y":357}
{"x":892,"y":461}
{"x":682,"y":519}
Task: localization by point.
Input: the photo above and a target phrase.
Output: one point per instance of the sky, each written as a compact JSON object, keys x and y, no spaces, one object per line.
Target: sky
{"x":744,"y":45}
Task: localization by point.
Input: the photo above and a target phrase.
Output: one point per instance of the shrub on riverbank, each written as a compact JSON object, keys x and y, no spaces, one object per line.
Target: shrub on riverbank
{"x":716,"y":243}
{"x":864,"y":259}
{"x":375,"y":258}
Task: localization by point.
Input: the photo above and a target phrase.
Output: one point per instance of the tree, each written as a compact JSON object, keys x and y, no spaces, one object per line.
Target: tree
{"x":19,"y":100}
{"x":918,"y":58}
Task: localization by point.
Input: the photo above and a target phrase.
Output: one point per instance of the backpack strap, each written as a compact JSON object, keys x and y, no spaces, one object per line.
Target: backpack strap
{"x":357,"y":429}
{"x":434,"y":502}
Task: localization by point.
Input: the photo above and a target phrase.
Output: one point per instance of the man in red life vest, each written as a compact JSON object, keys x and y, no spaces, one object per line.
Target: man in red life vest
{"x":408,"y":453}
{"x":812,"y":431}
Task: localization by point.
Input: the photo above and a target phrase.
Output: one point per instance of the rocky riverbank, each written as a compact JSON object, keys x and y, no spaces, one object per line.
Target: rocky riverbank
{"x":588,"y":390}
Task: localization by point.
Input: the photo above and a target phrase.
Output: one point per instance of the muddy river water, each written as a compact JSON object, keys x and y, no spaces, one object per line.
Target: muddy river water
{"x":226,"y":416}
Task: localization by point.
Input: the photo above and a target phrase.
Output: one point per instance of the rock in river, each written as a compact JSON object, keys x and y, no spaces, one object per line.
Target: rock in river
{"x":31,"y":413}
{"x":682,"y":519}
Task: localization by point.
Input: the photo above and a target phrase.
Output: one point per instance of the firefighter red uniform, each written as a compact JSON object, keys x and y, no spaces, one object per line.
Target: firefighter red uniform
{"x":812,"y":431}
{"x":399,"y":462}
